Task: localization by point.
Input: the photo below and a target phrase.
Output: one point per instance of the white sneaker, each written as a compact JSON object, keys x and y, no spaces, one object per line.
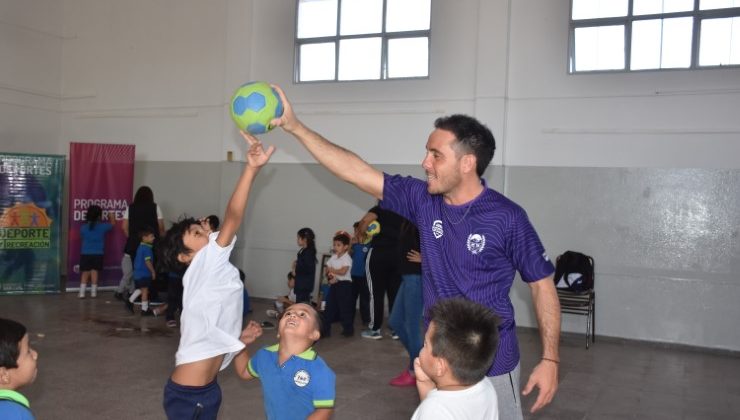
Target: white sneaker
{"x":272,"y":313}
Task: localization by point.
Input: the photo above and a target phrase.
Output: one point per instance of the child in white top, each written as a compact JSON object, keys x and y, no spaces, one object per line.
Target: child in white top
{"x":459,"y":347}
{"x":284,"y":301}
{"x":339,"y":305}
{"x":211,"y":318}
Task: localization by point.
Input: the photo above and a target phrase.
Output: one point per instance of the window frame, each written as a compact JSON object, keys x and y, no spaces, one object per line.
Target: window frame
{"x":336,"y":39}
{"x":698,"y":17}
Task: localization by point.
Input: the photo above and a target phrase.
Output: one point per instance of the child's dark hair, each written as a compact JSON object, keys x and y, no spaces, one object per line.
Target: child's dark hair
{"x":145,"y":230}
{"x":11,"y":334}
{"x":307,"y":234}
{"x":213,"y":222}
{"x":466,"y":335}
{"x":93,"y":215}
{"x":172,"y":245}
{"x":342,"y":237}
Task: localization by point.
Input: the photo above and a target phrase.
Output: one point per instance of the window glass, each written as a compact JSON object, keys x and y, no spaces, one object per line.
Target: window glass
{"x":362,"y":39}
{"x":361,"y":17}
{"x":661,"y":43}
{"x":359,"y":58}
{"x":599,"y":48}
{"x":408,"y":57}
{"x":317,"y":62}
{"x":718,"y":4}
{"x":720,"y":42}
{"x":591,"y":9}
{"x":649,"y":7}
{"x":407,"y":15}
{"x":316,"y":18}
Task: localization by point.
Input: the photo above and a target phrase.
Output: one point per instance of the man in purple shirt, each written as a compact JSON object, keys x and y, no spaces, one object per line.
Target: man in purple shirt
{"x":473,"y":239}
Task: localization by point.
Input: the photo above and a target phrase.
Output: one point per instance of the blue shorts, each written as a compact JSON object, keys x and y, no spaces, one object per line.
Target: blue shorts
{"x":191,"y":402}
{"x":143,"y":282}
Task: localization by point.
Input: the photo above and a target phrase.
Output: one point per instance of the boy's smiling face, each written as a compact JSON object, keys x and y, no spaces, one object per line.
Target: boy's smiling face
{"x":26,"y":371}
{"x":300,"y":320}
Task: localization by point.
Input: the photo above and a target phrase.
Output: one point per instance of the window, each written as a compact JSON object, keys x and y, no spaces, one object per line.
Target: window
{"x":338,"y":40}
{"x":632,"y":35}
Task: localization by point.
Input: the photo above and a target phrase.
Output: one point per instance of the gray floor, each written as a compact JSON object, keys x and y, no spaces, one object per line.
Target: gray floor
{"x":98,"y":362}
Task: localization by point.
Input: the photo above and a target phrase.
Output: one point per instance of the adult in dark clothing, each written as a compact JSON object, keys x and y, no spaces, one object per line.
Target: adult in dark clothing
{"x":304,"y":266}
{"x":405,"y":318}
{"x":142,"y":212}
{"x":383,"y":277}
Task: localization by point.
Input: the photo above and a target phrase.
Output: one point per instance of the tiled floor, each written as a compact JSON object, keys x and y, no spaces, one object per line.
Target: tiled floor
{"x":98,"y":362}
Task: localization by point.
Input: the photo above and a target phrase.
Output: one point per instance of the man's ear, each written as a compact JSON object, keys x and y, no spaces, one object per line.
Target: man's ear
{"x":468,"y":163}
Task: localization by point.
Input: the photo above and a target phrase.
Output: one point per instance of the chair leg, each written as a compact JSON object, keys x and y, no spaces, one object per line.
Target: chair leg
{"x":593,"y":319}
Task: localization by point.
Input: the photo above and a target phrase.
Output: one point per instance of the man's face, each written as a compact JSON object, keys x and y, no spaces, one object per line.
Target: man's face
{"x":441,"y":163}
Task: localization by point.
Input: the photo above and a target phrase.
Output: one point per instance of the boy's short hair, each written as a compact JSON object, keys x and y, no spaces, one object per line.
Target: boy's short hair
{"x":342,"y":236}
{"x":145,"y":230}
{"x":172,"y":244}
{"x":466,"y":335}
{"x":11,"y":334}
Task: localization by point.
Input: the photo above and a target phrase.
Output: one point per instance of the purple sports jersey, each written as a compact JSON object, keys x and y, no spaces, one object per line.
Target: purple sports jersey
{"x":472,"y":250}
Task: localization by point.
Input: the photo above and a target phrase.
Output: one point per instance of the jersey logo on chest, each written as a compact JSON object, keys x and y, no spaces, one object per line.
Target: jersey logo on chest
{"x":476,"y":242}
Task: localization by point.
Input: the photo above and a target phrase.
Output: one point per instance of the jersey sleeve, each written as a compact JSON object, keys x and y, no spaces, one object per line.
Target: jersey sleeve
{"x":402,"y":195}
{"x":528,"y":253}
{"x":255,"y":362}
{"x":324,"y":391}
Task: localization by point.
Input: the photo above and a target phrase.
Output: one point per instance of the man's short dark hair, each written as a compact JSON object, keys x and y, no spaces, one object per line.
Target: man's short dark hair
{"x":472,"y":137}
{"x":172,"y":244}
{"x":11,"y":334}
{"x":466,"y":335}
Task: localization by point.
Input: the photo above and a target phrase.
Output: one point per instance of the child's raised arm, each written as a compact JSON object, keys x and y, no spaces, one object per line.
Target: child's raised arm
{"x":257,"y":157}
{"x":241,"y":361}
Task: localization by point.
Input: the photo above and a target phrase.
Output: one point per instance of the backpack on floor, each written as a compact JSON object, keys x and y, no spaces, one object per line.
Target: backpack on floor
{"x":574,"y":271}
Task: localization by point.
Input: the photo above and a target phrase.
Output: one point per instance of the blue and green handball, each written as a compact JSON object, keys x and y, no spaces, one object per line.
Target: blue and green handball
{"x":254,"y":105}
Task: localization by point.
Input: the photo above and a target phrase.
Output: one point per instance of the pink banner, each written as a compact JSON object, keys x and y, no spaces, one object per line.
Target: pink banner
{"x":102,"y":175}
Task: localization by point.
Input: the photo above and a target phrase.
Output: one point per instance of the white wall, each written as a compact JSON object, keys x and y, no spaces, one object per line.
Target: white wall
{"x":30,"y":74}
{"x":158,"y":74}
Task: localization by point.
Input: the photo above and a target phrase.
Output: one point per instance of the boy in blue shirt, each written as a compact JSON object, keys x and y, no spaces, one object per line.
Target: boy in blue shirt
{"x":296,"y":382}
{"x":17,"y":369}
{"x":144,"y":272}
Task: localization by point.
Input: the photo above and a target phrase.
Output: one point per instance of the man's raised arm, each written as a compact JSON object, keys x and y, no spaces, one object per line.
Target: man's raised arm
{"x":343,"y":163}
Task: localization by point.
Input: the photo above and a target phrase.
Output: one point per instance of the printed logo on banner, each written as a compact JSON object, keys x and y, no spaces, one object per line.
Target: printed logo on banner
{"x":25,"y":226}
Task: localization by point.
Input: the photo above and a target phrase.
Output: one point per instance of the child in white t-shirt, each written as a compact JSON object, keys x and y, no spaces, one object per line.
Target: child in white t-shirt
{"x":211,"y":319}
{"x":284,"y":301}
{"x":339,"y":305}
{"x":459,"y":347}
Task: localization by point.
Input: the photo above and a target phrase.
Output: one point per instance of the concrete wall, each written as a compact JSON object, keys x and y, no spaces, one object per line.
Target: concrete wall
{"x":639,"y":170}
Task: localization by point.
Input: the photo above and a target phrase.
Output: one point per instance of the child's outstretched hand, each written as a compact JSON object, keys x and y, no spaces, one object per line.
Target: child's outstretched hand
{"x":250,"y":333}
{"x":257,"y":156}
